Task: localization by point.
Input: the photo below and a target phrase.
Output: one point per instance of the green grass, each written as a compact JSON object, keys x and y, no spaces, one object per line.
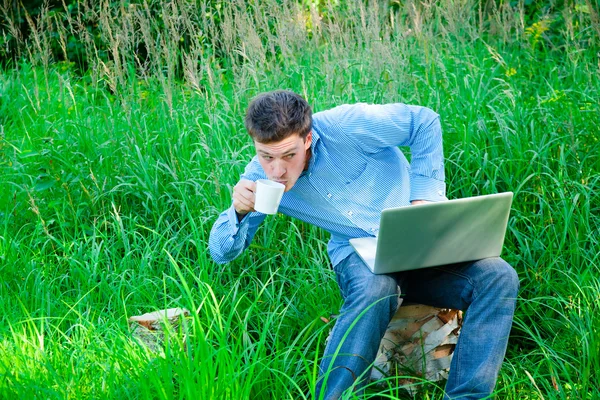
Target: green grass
{"x":110,"y":182}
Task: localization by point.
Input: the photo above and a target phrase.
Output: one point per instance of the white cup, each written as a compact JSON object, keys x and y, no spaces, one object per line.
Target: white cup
{"x":268,"y":196}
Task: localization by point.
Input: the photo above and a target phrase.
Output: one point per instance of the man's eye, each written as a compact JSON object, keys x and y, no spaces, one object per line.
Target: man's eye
{"x":290,"y":156}
{"x":267,"y":157}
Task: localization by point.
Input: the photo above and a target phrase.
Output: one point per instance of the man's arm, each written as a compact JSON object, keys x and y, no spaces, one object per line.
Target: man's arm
{"x":230,"y":236}
{"x":233,"y":231}
{"x":417,"y":202}
{"x":375,"y":127}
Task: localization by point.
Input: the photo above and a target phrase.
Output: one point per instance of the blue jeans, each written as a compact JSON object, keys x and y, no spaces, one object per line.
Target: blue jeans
{"x":487,"y":288}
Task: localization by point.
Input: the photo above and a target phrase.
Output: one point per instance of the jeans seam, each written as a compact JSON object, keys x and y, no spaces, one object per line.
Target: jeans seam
{"x":339,"y":279}
{"x":457,"y":353}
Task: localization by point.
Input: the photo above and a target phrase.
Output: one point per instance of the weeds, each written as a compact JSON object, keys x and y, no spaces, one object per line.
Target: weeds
{"x":111,"y":178}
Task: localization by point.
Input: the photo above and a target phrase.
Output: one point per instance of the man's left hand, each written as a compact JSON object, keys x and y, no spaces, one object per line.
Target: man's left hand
{"x":417,"y":202}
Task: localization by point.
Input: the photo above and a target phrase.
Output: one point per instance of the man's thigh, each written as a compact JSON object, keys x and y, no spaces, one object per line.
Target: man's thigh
{"x":354,"y":278}
{"x":451,"y":286}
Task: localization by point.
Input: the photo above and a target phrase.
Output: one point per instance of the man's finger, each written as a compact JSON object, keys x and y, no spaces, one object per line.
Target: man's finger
{"x":246,"y":195}
{"x":244,"y":184}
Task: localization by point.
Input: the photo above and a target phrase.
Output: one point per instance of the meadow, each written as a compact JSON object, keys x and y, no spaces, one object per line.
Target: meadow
{"x":112,"y":174}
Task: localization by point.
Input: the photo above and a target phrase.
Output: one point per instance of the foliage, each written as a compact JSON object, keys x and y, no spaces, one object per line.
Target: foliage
{"x":112,"y":174}
{"x":75,"y":30}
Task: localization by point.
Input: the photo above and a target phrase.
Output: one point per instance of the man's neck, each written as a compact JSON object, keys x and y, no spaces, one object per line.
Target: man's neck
{"x":308,"y":157}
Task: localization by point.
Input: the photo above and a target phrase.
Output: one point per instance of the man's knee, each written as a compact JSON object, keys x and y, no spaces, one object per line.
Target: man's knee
{"x":509,"y":278}
{"x":381,"y":287}
{"x":377,"y":290}
{"x":503,"y":276}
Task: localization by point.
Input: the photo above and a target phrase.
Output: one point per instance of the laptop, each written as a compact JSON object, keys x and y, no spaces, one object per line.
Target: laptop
{"x":433,"y":234}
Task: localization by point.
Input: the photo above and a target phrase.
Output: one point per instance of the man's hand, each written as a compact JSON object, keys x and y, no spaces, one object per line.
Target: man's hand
{"x":417,"y":202}
{"x":243,"y":197}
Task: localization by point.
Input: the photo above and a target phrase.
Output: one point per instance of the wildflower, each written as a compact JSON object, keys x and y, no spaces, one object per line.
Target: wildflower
{"x":536,"y":30}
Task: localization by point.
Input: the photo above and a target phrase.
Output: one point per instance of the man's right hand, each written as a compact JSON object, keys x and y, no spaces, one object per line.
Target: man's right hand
{"x":243,"y":197}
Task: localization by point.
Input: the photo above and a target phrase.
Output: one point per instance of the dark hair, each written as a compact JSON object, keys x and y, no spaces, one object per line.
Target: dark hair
{"x":274,"y":116}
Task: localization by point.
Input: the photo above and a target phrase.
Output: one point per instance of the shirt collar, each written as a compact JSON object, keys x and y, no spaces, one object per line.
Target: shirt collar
{"x":313,"y":152}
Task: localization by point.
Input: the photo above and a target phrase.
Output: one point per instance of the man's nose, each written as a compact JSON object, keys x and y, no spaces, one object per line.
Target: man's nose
{"x":278,"y":169}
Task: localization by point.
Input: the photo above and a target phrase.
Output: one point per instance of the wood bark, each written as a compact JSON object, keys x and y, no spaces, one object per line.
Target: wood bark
{"x":419,"y":342}
{"x":150,"y":328}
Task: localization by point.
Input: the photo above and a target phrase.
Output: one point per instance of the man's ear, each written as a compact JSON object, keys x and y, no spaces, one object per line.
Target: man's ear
{"x":308,"y":140}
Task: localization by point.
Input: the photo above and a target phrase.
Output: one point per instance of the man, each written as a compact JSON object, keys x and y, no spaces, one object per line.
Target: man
{"x":340,"y":169}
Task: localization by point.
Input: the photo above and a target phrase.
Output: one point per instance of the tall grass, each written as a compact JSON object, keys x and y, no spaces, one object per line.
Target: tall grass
{"x":110,"y":181}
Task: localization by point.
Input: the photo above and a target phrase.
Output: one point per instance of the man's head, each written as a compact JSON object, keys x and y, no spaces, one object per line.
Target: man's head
{"x":280,"y":124}
{"x":274,"y":116}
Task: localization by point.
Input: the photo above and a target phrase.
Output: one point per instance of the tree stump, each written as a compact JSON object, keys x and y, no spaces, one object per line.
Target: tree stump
{"x":419,"y":342}
{"x":150,"y":328}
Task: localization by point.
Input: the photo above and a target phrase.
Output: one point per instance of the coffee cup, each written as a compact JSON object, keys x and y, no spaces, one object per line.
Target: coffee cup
{"x":268,"y":196}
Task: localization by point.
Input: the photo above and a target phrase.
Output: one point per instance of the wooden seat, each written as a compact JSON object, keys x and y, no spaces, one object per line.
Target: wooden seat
{"x":419,"y":342}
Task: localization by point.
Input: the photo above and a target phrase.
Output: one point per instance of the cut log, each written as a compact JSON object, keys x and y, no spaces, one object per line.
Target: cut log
{"x":150,"y":328}
{"x":419,"y":342}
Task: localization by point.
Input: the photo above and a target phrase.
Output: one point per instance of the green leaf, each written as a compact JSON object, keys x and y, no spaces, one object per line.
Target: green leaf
{"x":43,"y":185}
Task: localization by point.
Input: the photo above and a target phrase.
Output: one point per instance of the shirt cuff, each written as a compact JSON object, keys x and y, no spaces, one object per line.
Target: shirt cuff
{"x":233,"y":220}
{"x":235,"y":224}
{"x":426,"y":188}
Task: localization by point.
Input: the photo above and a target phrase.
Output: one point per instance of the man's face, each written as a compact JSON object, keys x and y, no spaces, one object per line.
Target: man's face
{"x":284,"y":161}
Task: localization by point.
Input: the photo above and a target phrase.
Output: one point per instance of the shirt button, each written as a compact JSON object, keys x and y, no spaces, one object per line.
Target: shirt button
{"x":440,"y":193}
{"x":310,"y":174}
{"x":329,"y":195}
{"x":350,"y":213}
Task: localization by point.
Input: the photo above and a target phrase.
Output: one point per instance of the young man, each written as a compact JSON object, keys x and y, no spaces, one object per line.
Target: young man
{"x":340,"y":169}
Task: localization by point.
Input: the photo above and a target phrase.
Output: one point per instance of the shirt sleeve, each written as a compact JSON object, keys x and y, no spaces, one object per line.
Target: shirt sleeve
{"x":229,"y":237}
{"x":375,"y":127}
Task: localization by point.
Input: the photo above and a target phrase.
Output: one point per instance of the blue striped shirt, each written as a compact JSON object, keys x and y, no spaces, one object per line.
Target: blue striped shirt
{"x":356,"y":170}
